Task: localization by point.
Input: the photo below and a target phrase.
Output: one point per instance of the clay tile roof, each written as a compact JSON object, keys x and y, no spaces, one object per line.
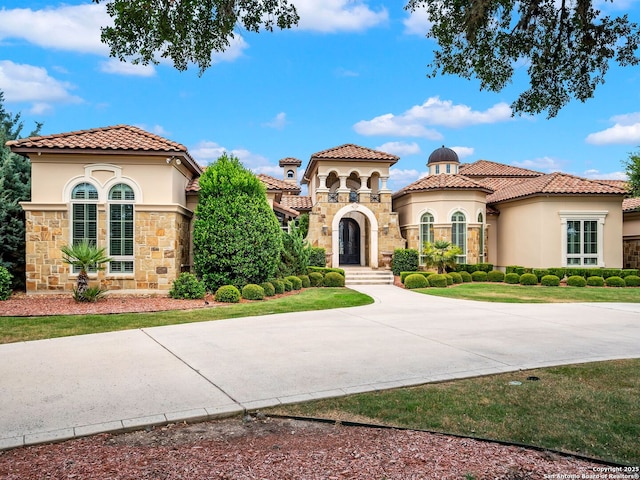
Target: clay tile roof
{"x":556,"y":183}
{"x":485,"y":168}
{"x":354,"y":152}
{"x":273,"y":183}
{"x":616,"y":183}
{"x":290,"y":161}
{"x":284,"y":209}
{"x":631,"y":204}
{"x":297,"y":202}
{"x":443,"y":181}
{"x":498,"y":183}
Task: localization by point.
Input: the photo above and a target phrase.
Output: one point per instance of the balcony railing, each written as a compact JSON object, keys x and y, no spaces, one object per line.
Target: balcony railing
{"x":354,"y":197}
{"x":333,"y":198}
{"x":375,"y":198}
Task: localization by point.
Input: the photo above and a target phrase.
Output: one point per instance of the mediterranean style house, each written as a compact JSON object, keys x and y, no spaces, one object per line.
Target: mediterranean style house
{"x":135,"y":193}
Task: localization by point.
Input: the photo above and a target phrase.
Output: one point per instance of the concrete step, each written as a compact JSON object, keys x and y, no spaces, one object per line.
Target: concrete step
{"x":367,"y":276}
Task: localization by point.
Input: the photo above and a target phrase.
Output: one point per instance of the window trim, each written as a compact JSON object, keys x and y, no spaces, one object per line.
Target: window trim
{"x":593,"y":216}
{"x":121,"y":258}
{"x":73,"y":202}
{"x":432,"y":232}
{"x":460,"y":258}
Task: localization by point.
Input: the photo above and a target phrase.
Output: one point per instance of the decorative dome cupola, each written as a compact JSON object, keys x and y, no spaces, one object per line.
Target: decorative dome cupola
{"x":443,"y":160}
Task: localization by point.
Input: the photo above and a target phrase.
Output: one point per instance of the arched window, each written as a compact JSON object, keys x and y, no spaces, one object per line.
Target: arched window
{"x":426,"y":233}
{"x":84,"y":213}
{"x":290,"y":174}
{"x":459,"y":234}
{"x":121,"y":234}
{"x":481,"y":239}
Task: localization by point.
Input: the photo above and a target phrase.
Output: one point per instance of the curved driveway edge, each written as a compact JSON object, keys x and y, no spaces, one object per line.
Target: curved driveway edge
{"x":74,"y":386}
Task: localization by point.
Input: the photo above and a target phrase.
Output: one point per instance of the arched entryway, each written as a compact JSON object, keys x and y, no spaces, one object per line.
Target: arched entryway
{"x":349,"y":237}
{"x":367,"y":224}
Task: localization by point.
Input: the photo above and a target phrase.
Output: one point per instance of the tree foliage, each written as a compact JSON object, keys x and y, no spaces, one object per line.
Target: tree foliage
{"x":236,"y":236}
{"x":85,"y":256}
{"x":15,"y":187}
{"x":440,"y":254}
{"x":295,"y":254}
{"x":566,"y":45}
{"x":187,"y":31}
{"x":632,"y":166}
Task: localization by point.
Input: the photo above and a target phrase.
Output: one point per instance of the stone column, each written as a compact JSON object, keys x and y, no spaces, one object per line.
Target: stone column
{"x":322,"y":185}
{"x":384,"y":187}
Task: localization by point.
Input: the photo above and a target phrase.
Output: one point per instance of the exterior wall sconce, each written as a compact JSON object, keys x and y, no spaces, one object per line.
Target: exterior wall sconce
{"x":385,"y":229}
{"x":325,"y":229}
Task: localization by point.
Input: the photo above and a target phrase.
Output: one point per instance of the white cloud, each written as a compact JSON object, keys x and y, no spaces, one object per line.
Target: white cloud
{"x":543,"y":164}
{"x":344,"y":72}
{"x":115,"y":66}
{"x":432,"y":112}
{"x":74,"y":28}
{"x":207,"y":152}
{"x":330,"y":16}
{"x":399,"y":178}
{"x":625,"y":131}
{"x":400,"y":148}
{"x":26,"y":83}
{"x":157,"y":129}
{"x":278,"y":122}
{"x":237,"y":46}
{"x":463,"y":152}
{"x":417,"y":23}
{"x":598,"y":175}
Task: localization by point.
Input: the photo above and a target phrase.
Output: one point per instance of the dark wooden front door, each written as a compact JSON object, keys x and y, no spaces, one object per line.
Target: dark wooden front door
{"x":349,"y":242}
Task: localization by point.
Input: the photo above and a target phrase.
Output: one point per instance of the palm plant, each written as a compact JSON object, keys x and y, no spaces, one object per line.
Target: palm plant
{"x":440,"y":254}
{"x":84,"y":255}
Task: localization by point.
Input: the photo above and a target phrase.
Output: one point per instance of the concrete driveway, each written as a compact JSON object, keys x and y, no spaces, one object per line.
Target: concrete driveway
{"x":74,"y":386}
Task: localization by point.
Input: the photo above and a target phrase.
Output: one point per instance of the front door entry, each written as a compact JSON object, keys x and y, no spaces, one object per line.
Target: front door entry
{"x":349,"y":242}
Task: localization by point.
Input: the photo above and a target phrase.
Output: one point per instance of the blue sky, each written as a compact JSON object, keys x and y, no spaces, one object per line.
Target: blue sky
{"x":352,"y":72}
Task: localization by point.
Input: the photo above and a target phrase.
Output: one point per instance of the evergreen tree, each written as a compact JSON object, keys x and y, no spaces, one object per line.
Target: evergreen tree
{"x":632,"y":166}
{"x":236,"y":236}
{"x":15,"y":187}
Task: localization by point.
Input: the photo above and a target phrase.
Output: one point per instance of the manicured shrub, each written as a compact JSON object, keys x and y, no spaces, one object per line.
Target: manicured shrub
{"x":227,"y":294}
{"x":437,"y":280}
{"x":306,"y":282}
{"x":540,"y":272}
{"x":288,"y":286}
{"x":513,"y":269}
{"x":278,"y":286}
{"x":550,"y":281}
{"x":294,"y":256}
{"x":484,"y":267}
{"x":269,"y":289}
{"x":315,"y":279}
{"x":595,"y":281}
{"x":466,"y":277}
{"x":479,"y":276}
{"x":457,"y":278}
{"x":91,"y":294}
{"x":416,"y":280}
{"x":576,"y":281}
{"x":615,"y":281}
{"x":632,"y":281}
{"x":325,"y":270}
{"x":559,"y":272}
{"x":5,"y":283}
{"x":404,"y":260}
{"x":296,"y":283}
{"x":629,"y":271}
{"x":317,"y":257}
{"x":528,"y":279}
{"x":512,"y":278}
{"x":449,"y":278}
{"x":187,"y":286}
{"x":252,"y":291}
{"x":333,"y":279}
{"x":495,"y":276}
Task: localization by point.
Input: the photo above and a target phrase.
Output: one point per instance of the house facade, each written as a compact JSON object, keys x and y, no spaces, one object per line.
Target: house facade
{"x":135,"y":194}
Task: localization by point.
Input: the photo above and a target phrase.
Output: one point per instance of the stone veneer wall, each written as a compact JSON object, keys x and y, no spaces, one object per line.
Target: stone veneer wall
{"x":631,"y":253}
{"x":161,"y":248}
{"x":443,"y":232}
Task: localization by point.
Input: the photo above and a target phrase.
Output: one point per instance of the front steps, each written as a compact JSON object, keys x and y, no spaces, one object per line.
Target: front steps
{"x":367,"y":276}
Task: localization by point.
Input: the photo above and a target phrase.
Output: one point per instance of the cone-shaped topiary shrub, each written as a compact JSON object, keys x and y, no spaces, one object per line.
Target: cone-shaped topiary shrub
{"x":479,"y":276}
{"x":187,"y":286}
{"x":528,"y":279}
{"x":550,"y":281}
{"x":316,"y":278}
{"x":457,"y":278}
{"x":576,"y":281}
{"x":632,"y":281}
{"x":251,"y":291}
{"x":306,"y":282}
{"x":269,"y":289}
{"x":278,"y":285}
{"x":437,"y":280}
{"x":416,"y":280}
{"x":512,"y":278}
{"x":333,"y":279}
{"x":495,"y":276}
{"x":615,"y":282}
{"x":227,"y":294}
{"x":466,"y":277}
{"x":595,"y":281}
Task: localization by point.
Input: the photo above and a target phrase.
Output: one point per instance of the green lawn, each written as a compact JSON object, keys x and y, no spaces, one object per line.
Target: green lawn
{"x":502,"y":292}
{"x":590,"y":409}
{"x":18,"y":329}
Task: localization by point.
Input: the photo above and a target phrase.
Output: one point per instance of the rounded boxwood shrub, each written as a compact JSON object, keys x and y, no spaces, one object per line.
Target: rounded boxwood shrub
{"x":457,"y":278}
{"x":449,"y":278}
{"x":615,"y":282}
{"x":576,"y":281}
{"x":512,"y":278}
{"x":438,"y":280}
{"x":316,"y":278}
{"x":288,"y":286}
{"x":278,"y":286}
{"x":269,"y":289}
{"x":251,"y":291}
{"x":632,"y":281}
{"x":306,"y":281}
{"x":466,"y":277}
{"x":416,"y":280}
{"x":595,"y":281}
{"x":550,"y":281}
{"x":187,"y":286}
{"x":333,"y":279}
{"x":5,"y":283}
{"x":296,"y":283}
{"x":227,"y":294}
{"x":495,"y":276}
{"x":528,"y":279}
{"x":479,"y":276}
